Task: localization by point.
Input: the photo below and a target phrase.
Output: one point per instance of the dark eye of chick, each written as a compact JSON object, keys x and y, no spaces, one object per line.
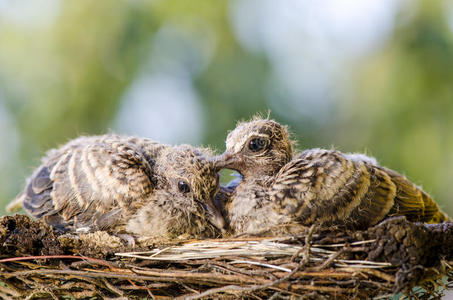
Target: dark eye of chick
{"x":257,"y":144}
{"x":183,"y":187}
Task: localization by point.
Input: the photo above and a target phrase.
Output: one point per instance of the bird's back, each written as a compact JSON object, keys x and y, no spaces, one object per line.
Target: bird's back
{"x":330,"y":187}
{"x":91,"y":182}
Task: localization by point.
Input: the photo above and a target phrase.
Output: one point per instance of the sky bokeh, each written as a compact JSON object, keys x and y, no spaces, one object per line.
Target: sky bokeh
{"x":360,"y":76}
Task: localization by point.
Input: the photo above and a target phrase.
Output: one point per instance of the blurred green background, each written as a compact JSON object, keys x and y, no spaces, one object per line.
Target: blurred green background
{"x":369,"y":76}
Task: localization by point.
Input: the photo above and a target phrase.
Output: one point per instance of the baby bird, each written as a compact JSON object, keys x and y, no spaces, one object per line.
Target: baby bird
{"x":127,"y":186}
{"x":315,"y":186}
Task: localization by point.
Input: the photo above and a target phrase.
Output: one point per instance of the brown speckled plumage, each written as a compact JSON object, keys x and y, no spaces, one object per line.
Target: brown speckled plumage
{"x":280,"y":190}
{"x":126,"y":185}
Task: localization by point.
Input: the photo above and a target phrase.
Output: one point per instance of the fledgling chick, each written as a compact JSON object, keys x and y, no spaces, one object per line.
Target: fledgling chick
{"x":315,"y":186}
{"x":127,"y":186}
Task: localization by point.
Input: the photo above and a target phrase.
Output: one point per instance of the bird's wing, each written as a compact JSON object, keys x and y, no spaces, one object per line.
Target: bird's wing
{"x":411,"y":201}
{"x":88,"y":183}
{"x":325,"y":186}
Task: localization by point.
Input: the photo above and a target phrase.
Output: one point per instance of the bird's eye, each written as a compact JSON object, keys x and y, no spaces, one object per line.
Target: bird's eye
{"x":257,"y":144}
{"x":183,"y":187}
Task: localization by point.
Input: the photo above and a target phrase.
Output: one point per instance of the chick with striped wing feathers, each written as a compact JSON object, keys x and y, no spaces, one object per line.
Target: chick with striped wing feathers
{"x":280,"y":190}
{"x":126,"y":185}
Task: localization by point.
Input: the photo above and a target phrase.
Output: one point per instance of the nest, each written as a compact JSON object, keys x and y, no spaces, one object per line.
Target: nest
{"x":392,"y":257}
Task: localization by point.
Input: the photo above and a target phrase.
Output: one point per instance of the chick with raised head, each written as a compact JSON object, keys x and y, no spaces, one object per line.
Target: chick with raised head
{"x":126,"y":185}
{"x":282,"y":190}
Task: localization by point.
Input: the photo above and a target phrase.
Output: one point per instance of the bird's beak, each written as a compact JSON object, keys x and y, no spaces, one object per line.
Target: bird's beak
{"x":227,"y":160}
{"x":215,"y":217}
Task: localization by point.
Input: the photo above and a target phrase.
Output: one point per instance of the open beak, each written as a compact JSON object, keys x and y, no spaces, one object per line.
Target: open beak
{"x":226,"y":160}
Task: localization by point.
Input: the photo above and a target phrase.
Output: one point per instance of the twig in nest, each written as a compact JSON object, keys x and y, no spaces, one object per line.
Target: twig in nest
{"x":332,"y":258}
{"x":4,"y":289}
{"x":22,"y":258}
{"x":344,"y":244}
{"x":142,"y":288}
{"x":232,"y":288}
{"x":189,"y":288}
{"x":112,"y":287}
{"x":306,"y":258}
{"x":306,"y":247}
{"x":260,"y":264}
